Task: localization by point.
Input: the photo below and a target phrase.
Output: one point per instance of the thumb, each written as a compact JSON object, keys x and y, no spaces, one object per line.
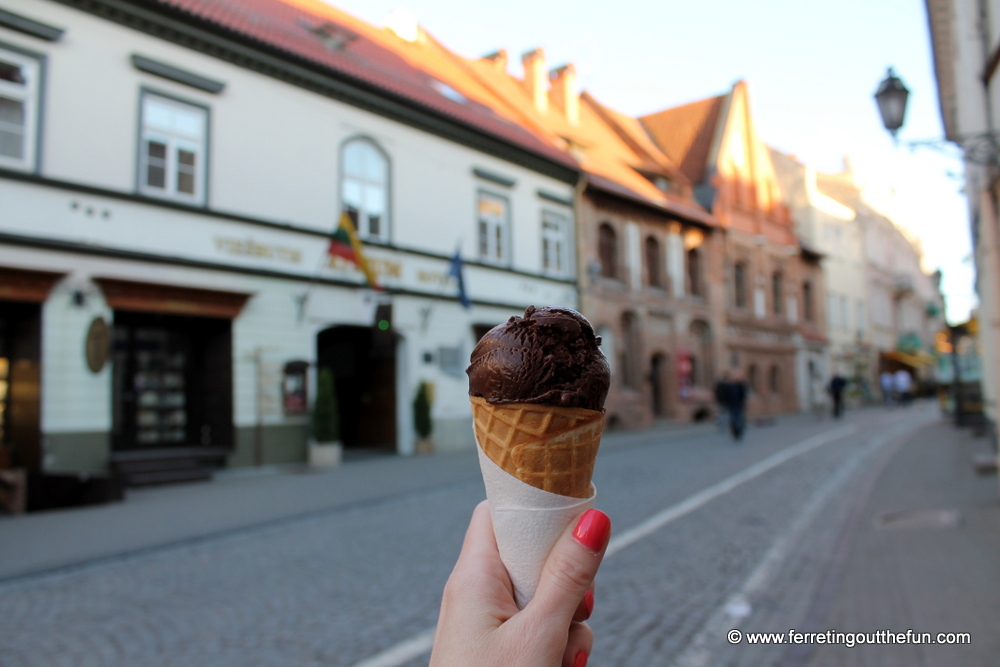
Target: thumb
{"x":570,"y":569}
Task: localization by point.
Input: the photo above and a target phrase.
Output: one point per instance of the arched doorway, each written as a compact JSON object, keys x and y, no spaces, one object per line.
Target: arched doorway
{"x":365,"y":375}
{"x":658,"y":366}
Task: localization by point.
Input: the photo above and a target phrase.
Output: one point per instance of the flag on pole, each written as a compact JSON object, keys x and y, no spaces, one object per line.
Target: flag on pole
{"x":456,"y":273}
{"x":344,"y":243}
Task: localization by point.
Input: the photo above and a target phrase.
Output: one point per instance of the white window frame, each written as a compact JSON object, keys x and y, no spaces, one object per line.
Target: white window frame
{"x":368,"y":188}
{"x":555,"y":239}
{"x":176,"y":140}
{"x":29,"y":95}
{"x":493,"y":232}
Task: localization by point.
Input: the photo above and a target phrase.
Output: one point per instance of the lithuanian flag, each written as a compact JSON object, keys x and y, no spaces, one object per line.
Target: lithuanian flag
{"x":345,"y":244}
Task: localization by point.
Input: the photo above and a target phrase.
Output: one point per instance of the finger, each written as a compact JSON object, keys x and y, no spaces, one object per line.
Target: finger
{"x":578,"y":645}
{"x":586,"y":606}
{"x":570,"y":569}
{"x":480,"y":542}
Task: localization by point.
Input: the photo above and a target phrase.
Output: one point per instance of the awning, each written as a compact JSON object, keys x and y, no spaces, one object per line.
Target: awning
{"x":916,"y":360}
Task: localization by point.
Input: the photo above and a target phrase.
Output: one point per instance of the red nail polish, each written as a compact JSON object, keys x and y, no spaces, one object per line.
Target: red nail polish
{"x":581,"y":659}
{"x":593,"y":530}
{"x":588,"y":602}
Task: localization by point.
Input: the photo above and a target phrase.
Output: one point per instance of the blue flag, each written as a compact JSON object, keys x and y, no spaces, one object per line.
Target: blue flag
{"x":456,"y":273}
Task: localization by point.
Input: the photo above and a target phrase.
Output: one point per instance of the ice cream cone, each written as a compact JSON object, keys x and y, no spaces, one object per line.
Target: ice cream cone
{"x":549,"y":447}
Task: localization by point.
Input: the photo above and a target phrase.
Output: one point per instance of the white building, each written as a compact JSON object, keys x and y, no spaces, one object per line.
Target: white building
{"x":170,"y":175}
{"x":965,"y":35}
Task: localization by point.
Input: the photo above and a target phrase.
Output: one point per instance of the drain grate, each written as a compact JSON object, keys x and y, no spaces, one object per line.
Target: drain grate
{"x":918,"y":519}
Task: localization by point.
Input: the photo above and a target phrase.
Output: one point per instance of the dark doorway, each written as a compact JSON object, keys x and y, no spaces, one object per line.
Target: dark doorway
{"x":365,"y":375}
{"x":658,"y":383}
{"x":20,"y":384}
{"x":172,"y":385}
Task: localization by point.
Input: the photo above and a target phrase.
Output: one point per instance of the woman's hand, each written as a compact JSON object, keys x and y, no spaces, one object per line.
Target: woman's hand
{"x":480,"y":624}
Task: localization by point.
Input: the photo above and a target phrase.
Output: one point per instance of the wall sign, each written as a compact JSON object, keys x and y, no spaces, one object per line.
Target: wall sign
{"x":97,"y":344}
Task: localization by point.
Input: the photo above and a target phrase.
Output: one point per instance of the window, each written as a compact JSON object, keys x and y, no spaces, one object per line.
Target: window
{"x":654,"y":265}
{"x":776,"y":292}
{"x":774,"y":380}
{"x":740,"y":285}
{"x":364,"y":188}
{"x":807,"y":301}
{"x":607,"y":248}
{"x":19,"y":90}
{"x":493,"y":222}
{"x":752,"y":377}
{"x":694,"y":272}
{"x":555,"y":245}
{"x":174,"y":140}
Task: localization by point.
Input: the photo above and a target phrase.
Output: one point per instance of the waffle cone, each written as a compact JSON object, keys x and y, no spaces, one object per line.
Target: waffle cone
{"x":549,"y":447}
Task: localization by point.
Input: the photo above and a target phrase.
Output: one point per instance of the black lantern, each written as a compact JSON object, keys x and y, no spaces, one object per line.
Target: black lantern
{"x":891,"y":97}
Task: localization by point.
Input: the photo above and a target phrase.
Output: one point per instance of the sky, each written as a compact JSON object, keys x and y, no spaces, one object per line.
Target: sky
{"x":812,"y":67}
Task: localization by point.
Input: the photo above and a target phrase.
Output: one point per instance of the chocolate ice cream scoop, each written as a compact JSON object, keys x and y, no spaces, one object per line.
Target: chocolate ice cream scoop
{"x":550,"y":356}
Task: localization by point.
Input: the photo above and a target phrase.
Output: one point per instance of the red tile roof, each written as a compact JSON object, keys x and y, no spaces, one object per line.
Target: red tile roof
{"x":685,"y":134}
{"x":296,"y":28}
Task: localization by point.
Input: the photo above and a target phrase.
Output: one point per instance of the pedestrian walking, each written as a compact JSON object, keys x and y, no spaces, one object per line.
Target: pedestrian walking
{"x":722,"y":402}
{"x":736,"y":398}
{"x":887,"y":382}
{"x":836,"y":389}
{"x":903,"y":386}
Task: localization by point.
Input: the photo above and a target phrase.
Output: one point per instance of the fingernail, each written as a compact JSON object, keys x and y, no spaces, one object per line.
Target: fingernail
{"x":593,"y":529}
{"x":581,"y":659}
{"x":588,"y":602}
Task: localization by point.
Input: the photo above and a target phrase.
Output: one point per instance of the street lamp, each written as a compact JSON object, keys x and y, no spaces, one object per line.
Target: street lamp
{"x":891,"y":97}
{"x":978,"y":148}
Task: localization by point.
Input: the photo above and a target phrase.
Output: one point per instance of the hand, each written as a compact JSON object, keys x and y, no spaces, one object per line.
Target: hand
{"x":480,"y":624}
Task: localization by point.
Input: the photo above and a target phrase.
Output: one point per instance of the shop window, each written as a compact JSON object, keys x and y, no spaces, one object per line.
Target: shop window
{"x":173,"y":148}
{"x":364,"y":188}
{"x":294,"y":395}
{"x":493,"y":212}
{"x":19,"y":95}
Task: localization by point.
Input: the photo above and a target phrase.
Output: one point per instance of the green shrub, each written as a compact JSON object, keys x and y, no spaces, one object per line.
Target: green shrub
{"x":326,"y":414}
{"x":422,"y":423}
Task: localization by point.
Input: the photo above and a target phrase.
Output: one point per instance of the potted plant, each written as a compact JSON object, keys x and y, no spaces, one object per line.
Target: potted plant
{"x":423,"y":425}
{"x":325,"y":448}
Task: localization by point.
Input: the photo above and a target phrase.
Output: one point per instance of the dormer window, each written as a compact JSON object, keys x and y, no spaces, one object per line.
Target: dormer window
{"x":662,"y":183}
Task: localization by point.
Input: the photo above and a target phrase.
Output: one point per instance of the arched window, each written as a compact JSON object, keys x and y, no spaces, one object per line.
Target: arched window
{"x":776,"y":292}
{"x":774,"y":380}
{"x":364,"y":188}
{"x":654,"y":263}
{"x":807,"y":301}
{"x":740,"y":285}
{"x":694,"y":272}
{"x":607,"y":248}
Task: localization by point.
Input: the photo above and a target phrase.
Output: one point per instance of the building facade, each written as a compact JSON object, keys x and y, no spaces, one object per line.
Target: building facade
{"x":773,"y":286}
{"x":170,"y":181}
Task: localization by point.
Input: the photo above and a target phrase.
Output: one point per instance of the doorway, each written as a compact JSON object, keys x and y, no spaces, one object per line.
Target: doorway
{"x":20,"y":385}
{"x":364,"y":371}
{"x":658,"y":383}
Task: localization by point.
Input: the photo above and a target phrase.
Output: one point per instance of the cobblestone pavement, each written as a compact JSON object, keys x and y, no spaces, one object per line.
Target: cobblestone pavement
{"x":337,"y":587}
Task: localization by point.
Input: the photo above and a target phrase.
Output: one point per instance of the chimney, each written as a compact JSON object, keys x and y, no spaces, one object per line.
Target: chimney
{"x":535,"y":78}
{"x":498,"y":59}
{"x":565,"y":93}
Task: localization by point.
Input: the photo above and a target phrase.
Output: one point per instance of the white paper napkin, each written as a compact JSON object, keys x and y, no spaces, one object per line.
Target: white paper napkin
{"x":527,"y":522}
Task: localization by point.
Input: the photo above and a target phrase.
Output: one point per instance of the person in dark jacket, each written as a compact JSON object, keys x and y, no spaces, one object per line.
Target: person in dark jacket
{"x":736,"y":398}
{"x":836,"y":389}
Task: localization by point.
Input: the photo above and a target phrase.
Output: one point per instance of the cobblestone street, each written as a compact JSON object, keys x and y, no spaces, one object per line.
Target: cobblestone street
{"x":709,"y":535}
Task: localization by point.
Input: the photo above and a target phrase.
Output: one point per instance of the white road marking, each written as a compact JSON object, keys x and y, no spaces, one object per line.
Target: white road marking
{"x":421,"y":644}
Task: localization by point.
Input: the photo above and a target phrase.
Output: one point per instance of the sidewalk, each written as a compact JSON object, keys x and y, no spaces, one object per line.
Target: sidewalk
{"x":238,"y":499}
{"x":921,"y":553}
